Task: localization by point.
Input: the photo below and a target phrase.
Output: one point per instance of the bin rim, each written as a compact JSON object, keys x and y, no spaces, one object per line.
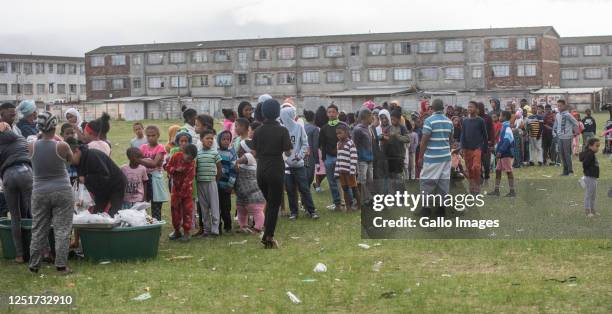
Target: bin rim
{"x":125,"y":229}
{"x":3,"y":226}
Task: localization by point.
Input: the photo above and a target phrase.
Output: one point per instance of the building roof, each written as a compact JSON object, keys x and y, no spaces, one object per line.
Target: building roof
{"x":371,"y":92}
{"x":138,"y":99}
{"x":557,"y":91}
{"x":585,"y":40}
{"x":372,"y":37}
{"x":5,"y":56}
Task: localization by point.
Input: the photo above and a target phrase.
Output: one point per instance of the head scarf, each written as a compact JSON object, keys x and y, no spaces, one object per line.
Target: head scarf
{"x":178,"y":136}
{"x":385,"y":113}
{"x":369,"y":104}
{"x":46,"y":122}
{"x":263,"y":98}
{"x":270,"y":109}
{"x":220,"y":135}
{"x":26,"y":107}
{"x":76,"y":113}
{"x":287,"y":116}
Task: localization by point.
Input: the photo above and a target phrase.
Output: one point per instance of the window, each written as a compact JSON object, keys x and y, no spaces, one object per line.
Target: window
{"x":262,"y":54}
{"x":592,"y":50}
{"x":309,"y":52}
{"x":310,"y":77}
{"x":569,"y":51}
{"x":286,"y":53}
{"x":500,"y":70}
{"x":15,"y":67}
{"x":523,"y":70}
{"x":242,"y":56}
{"x":428,"y":74}
{"x":136,"y":59}
{"x":453,"y":46}
{"x":402,"y":74}
{"x":50,"y":67}
{"x":476,"y":72}
{"x":3,"y":67}
{"x":28,"y":89}
{"x":27,"y":68}
{"x":82,"y":89}
{"x":354,"y":49}
{"x":499,"y":43}
{"x":72,"y":88}
{"x":177,"y":57}
{"x":427,"y":46}
{"x":51,"y":88}
{"x":99,"y":84}
{"x":223,"y":80}
{"x":118,"y":83}
{"x":199,"y":56}
{"x":178,"y":81}
{"x":40,"y":89}
{"x":453,"y":73}
{"x":96,"y":61}
{"x":222,"y":55}
{"x":82,"y":69}
{"x":263,"y":79}
{"x":592,"y":74}
{"x":156,"y":82}
{"x":286,"y":78}
{"x":242,"y":79}
{"x":199,"y":81}
{"x":377,"y":75}
{"x":356,"y":76}
{"x":569,"y":74}
{"x":333,"y":51}
{"x":526,"y":43}
{"x":3,"y":89}
{"x":136,"y":83}
{"x":335,"y":76}
{"x":376,"y":50}
{"x":610,"y":73}
{"x":403,"y":48}
{"x":61,"y":89}
{"x":118,"y":60}
{"x":61,"y":69}
{"x":15,"y":89}
{"x":155,"y":58}
{"x":610,"y":50}
{"x":72,"y":69}
{"x":40,"y":68}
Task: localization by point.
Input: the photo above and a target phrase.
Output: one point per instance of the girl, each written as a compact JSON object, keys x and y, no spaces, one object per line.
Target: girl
{"x":226,"y":181}
{"x":153,"y":156}
{"x":590,"y":166}
{"x":245,"y":110}
{"x":249,"y":199}
{"x":576,"y":139}
{"x":204,"y":122}
{"x":95,"y":134}
{"x":230,"y":117}
{"x":172,"y":130}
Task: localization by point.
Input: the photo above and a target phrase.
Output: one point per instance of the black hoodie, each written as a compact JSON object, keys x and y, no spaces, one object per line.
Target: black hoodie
{"x":102,"y":176}
{"x":13,"y":150}
{"x":590,"y":166}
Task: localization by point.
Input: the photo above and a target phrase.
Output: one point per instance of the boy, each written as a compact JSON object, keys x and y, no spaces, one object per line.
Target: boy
{"x":362,"y":138}
{"x":227,"y":178}
{"x":140,"y":139}
{"x":328,"y":143}
{"x":181,"y":168}
{"x":208,"y":173}
{"x":590,"y":127}
{"x":504,"y":155}
{"x":241,"y":128}
{"x":473,"y":138}
{"x":394,"y":141}
{"x":535,"y":126}
{"x":590,"y":166}
{"x":346,"y":165}
{"x":137,"y":178}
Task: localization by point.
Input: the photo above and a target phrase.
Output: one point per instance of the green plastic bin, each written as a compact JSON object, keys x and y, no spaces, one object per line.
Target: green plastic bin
{"x":6,"y":237}
{"x":128,"y":243}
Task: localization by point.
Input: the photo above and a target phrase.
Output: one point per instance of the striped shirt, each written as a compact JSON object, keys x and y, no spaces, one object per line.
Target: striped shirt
{"x":207,"y":165}
{"x":440,"y":129}
{"x":346,"y":160}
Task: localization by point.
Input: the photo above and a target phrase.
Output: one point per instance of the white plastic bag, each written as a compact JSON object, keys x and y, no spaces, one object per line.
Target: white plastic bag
{"x":141,"y":206}
{"x":82,"y":197}
{"x":320,"y":268}
{"x":85,"y":217}
{"x":134,"y":218}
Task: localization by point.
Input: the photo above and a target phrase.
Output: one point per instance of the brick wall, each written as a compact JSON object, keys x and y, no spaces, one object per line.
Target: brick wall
{"x":511,"y":56}
{"x":108,"y":72}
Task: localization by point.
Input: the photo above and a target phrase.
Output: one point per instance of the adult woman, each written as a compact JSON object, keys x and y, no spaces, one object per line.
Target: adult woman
{"x":52,"y":196}
{"x":27,"y":123}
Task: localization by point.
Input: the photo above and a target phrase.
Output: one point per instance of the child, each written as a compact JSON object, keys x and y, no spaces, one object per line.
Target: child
{"x":152,"y":158}
{"x":172,"y":131}
{"x":136,"y":175}
{"x":590,"y":127}
{"x":346,"y":165}
{"x":252,"y":127}
{"x":249,"y":199}
{"x":230,"y":117}
{"x":590,"y":166}
{"x":411,"y":152}
{"x":456,"y":164}
{"x":67,"y":131}
{"x":576,"y":139}
{"x":504,"y":154}
{"x":241,"y":128}
{"x":497,"y":125}
{"x":181,"y":168}
{"x":535,"y":125}
{"x":139,"y":140}
{"x":208,"y":173}
{"x":227,"y":178}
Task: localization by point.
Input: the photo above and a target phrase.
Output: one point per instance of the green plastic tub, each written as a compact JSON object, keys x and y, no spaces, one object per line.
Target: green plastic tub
{"x":129,"y":243}
{"x":6,"y":237}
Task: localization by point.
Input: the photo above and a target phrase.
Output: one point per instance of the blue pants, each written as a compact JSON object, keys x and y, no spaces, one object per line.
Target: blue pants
{"x":294,"y":181}
{"x":330,"y":166}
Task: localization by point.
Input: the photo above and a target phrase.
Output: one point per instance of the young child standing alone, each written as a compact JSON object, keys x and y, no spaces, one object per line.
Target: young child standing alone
{"x":181,"y":168}
{"x":346,"y":165}
{"x":136,"y":175}
{"x":590,"y":166}
{"x":208,"y":173}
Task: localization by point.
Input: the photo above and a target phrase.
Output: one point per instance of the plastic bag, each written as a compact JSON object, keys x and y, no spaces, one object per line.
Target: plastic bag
{"x":82,"y":197}
{"x":141,"y":206}
{"x":131,"y":217}
{"x":85,"y":217}
{"x":320,"y":268}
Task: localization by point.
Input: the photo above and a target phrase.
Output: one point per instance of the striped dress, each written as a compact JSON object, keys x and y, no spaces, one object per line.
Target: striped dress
{"x":346,"y":160}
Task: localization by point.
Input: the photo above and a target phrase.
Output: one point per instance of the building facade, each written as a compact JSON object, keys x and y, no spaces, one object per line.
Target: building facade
{"x":46,"y":79}
{"x":586,"y":61}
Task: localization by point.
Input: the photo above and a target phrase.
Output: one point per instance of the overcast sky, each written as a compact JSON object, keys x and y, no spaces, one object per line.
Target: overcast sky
{"x":72,"y":27}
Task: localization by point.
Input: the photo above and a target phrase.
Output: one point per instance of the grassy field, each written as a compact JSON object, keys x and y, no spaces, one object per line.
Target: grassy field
{"x":466,"y":276}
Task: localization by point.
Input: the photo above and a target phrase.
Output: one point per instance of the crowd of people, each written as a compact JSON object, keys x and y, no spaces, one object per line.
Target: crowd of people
{"x":265,"y":150}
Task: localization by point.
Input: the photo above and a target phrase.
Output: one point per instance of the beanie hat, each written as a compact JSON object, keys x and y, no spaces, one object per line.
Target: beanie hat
{"x":263,"y":98}
{"x":270,"y":109}
{"x":26,"y":107}
{"x":178,"y":136}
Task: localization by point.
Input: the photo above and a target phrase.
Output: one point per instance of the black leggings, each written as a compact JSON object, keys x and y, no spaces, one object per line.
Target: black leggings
{"x":225,"y":209}
{"x":485,"y":162}
{"x":270,"y":182}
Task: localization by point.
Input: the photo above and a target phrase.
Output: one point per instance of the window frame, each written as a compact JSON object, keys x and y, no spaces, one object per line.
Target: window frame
{"x":94,"y":64}
{"x":383,"y":52}
{"x":586,"y":77}
{"x":575,"y":77}
{"x":584,"y":50}
{"x":257,"y":54}
{"x":334,"y":55}
{"x":340,"y":75}
{"x":38,"y":91}
{"x":136,"y":59}
{"x":174,"y":54}
{"x":316,"y":55}
{"x":401,"y":45}
{"x":375,"y":79}
{"x":478,"y":68}
{"x":161,"y":59}
{"x":4,"y":88}
{"x":203,"y":56}
{"x":161,"y":85}
{"x":431,"y":79}
{"x":505,"y":47}
{"x":402,"y":79}
{"x":493,"y":66}
{"x":526,"y":40}
{"x":524,"y":67}
{"x":570,"y":48}
{"x":226,"y":53}
{"x":422,"y":42}
{"x":203,"y":81}
{"x":455,"y":50}
{"x":177,"y":83}
{"x":283,"y":56}
{"x":458,"y":78}
{"x":286,"y":74}
{"x":231,"y":80}
{"x":116,"y":60}
{"x":314,"y":74}
{"x":136,"y":85}
{"x":61,"y":66}
{"x":354,"y":50}
{"x":268,"y":77}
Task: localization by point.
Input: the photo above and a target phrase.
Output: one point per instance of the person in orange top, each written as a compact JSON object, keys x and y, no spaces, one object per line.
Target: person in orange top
{"x":181,"y":168}
{"x":172,"y":130}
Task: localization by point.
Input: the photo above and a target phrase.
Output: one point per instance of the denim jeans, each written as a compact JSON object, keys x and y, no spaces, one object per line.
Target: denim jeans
{"x":330,"y":166}
{"x":296,"y":181}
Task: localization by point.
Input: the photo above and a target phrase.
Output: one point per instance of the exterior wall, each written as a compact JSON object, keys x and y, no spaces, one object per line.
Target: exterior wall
{"x":108,"y":72}
{"x":513,"y":57}
{"x":9,"y":78}
{"x":582,"y":62}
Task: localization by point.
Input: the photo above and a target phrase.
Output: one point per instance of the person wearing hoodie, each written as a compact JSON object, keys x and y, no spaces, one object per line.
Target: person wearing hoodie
{"x":226,"y":180}
{"x":362,"y":138}
{"x":504,"y":154}
{"x":27,"y":124}
{"x":270,"y":142}
{"x":495,"y":106}
{"x":295,"y":171}
{"x":312,"y":132}
{"x":380,"y":156}
{"x":394,"y":139}
{"x":590,"y":166}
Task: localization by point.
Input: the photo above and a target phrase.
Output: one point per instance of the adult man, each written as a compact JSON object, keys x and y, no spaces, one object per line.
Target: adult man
{"x":7,"y":114}
{"x":563,"y":129}
{"x":473,"y":138}
{"x":549,"y":149}
{"x":327,"y":143}
{"x":435,"y":155}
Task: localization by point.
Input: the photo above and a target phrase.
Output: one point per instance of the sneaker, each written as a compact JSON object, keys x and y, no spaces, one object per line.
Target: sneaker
{"x":494,"y":193}
{"x":293,"y":217}
{"x":185,"y":238}
{"x":332,"y":207}
{"x":174,"y":236}
{"x":314,"y":215}
{"x":510,"y":194}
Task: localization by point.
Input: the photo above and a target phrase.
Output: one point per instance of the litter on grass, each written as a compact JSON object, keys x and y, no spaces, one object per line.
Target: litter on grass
{"x":320,"y":268}
{"x":104,"y":262}
{"x":142,"y":297}
{"x":363,"y":246}
{"x":388,"y":295}
{"x":376,"y":267}
{"x":238,"y":243}
{"x":293,"y":298}
{"x":446,"y":275}
{"x":309,"y":280}
{"x":180,"y":257}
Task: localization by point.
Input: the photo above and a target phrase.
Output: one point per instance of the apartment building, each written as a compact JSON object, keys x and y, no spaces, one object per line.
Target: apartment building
{"x":46,"y":79}
{"x":586,"y":61}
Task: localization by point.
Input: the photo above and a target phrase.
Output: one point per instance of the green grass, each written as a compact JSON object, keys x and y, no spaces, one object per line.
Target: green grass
{"x":507,"y":276}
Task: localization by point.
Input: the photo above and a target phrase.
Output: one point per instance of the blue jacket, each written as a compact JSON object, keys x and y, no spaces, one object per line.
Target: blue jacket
{"x":228,"y":163}
{"x":506,"y":141}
